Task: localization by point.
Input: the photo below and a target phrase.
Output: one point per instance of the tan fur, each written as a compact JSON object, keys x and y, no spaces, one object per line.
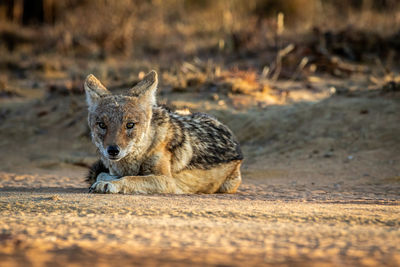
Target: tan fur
{"x":232,"y":182}
{"x":207,"y":181}
{"x":187,"y":181}
{"x":148,"y":161}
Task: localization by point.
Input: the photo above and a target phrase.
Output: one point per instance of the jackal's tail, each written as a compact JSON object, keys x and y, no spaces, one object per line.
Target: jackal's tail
{"x":97,"y":168}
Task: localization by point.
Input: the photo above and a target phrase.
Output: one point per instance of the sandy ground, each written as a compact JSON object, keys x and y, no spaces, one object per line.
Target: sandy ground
{"x":298,"y":213}
{"x":260,"y":225}
{"x":321,"y":186}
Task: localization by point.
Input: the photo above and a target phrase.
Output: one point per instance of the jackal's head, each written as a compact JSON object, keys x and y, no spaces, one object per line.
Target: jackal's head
{"x":120,"y":124}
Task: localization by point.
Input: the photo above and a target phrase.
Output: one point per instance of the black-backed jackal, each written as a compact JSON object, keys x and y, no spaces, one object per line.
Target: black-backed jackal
{"x":148,"y":149}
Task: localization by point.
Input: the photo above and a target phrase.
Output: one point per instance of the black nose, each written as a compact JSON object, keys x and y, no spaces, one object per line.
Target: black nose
{"x":113,"y":150}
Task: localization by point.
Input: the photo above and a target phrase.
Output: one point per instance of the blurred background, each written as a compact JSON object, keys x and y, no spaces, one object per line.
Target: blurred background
{"x":187,"y":28}
{"x":296,"y":80}
{"x":268,"y":39}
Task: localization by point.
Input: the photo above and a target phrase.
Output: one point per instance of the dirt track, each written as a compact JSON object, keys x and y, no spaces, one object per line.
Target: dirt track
{"x":260,"y":225}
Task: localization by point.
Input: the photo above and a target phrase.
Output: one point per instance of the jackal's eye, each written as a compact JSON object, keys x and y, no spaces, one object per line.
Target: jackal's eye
{"x":102,"y":125}
{"x":130,"y":125}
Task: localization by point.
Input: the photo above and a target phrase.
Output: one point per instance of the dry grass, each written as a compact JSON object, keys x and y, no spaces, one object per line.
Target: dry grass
{"x":131,"y":28}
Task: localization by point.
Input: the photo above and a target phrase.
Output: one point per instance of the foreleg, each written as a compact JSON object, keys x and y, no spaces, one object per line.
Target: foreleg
{"x":151,"y":184}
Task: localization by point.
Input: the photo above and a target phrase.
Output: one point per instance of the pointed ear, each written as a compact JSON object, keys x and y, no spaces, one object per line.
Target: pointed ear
{"x":146,"y":88}
{"x":94,"y":90}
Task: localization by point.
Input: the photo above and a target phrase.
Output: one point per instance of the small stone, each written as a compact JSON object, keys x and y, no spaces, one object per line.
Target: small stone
{"x":55,"y":197}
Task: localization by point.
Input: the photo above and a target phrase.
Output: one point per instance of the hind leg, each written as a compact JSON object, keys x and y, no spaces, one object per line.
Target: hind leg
{"x":232,"y":182}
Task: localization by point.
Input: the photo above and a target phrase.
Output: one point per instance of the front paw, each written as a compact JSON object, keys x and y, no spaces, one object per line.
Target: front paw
{"x":104,"y":187}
